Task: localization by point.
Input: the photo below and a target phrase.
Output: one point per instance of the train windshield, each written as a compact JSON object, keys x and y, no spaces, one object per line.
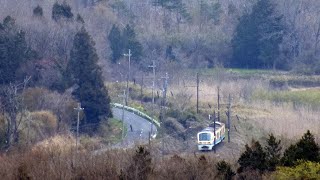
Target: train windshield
{"x":204,"y":137}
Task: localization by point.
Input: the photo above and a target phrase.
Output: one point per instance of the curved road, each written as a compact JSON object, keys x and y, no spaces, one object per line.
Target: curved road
{"x":140,"y":128}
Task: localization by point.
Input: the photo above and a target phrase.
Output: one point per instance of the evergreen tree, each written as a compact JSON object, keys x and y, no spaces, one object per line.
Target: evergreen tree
{"x":273,"y":152}
{"x":254,"y":158}
{"x":257,"y":37}
{"x":130,"y":42}
{"x":80,"y":19}
{"x":38,"y":11}
{"x":115,"y":40}
{"x":305,"y":149}
{"x":169,"y":53}
{"x":289,"y":156}
{"x":60,"y":11}
{"x":225,"y":170}
{"x":86,"y":74}
{"x":13,"y":50}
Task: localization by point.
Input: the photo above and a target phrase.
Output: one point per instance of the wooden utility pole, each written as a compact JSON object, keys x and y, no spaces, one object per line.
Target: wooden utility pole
{"x":141,"y":88}
{"x":214,"y":131}
{"x":218,"y":103}
{"x":162,"y":106}
{"x":128,"y":75}
{"x":197,"y":93}
{"x":78,"y":109}
{"x":229,"y":117}
{"x":153,"y":84}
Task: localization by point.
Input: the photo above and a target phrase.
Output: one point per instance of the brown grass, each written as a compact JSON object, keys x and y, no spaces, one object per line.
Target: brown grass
{"x":57,"y":162}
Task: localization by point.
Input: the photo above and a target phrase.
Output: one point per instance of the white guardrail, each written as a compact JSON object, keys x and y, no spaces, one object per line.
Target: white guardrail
{"x":136,"y":112}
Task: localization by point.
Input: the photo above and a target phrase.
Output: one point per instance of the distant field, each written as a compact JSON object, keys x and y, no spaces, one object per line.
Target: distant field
{"x":309,"y":97}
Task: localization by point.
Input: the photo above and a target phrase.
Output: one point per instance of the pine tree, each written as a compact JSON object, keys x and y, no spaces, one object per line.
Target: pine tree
{"x":38,"y":11}
{"x":86,"y":74}
{"x":257,"y":38}
{"x":225,"y":170}
{"x":130,"y":42}
{"x":60,"y":11}
{"x":308,"y":149}
{"x":254,"y":158}
{"x":305,"y":149}
{"x":115,"y":41}
{"x":273,"y":152}
{"x":13,"y":50}
{"x":80,"y":19}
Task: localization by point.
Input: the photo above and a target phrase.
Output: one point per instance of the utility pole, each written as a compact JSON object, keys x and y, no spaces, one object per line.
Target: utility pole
{"x":197,"y":86}
{"x":153,"y":84}
{"x":78,"y":109}
{"x":197,"y":93}
{"x":128,"y":75}
{"x":214,"y":131}
{"x":229,"y":117}
{"x":218,"y":103}
{"x":141,"y":87}
{"x":124,"y":101}
{"x":164,"y":96}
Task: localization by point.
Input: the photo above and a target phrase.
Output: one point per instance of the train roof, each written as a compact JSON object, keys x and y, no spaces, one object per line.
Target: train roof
{"x":210,"y":128}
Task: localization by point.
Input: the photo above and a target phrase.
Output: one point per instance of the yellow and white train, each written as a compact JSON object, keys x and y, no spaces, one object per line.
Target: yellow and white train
{"x":206,"y":138}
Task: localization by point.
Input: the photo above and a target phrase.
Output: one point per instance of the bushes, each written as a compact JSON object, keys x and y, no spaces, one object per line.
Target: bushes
{"x":38,"y":126}
{"x":304,"y":170}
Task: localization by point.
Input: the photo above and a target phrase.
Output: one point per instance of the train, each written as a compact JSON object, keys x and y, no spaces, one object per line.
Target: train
{"x":206,"y":138}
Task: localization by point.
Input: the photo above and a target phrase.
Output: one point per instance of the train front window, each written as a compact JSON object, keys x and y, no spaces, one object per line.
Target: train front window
{"x":204,"y":137}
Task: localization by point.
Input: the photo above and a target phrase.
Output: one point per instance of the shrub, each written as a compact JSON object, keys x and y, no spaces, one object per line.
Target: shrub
{"x":39,"y":125}
{"x":304,"y":170}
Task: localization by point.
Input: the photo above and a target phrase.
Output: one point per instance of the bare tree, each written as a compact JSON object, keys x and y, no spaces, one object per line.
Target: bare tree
{"x":13,"y":109}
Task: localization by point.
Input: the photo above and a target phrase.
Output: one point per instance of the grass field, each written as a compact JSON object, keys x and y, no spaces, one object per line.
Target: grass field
{"x":308,"y":97}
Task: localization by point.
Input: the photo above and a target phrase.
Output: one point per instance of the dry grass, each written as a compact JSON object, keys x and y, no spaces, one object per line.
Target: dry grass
{"x":257,"y":118}
{"x":54,"y":161}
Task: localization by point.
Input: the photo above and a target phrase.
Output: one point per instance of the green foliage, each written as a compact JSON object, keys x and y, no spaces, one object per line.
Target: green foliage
{"x":254,"y":158}
{"x":111,"y":130}
{"x":13,"y":50}
{"x":304,"y":170}
{"x":225,"y":170}
{"x":60,"y":11}
{"x":305,"y":149}
{"x":86,"y":74}
{"x":115,"y":41}
{"x":273,"y":152}
{"x":130,"y":41}
{"x":38,"y":11}
{"x":257,"y":38}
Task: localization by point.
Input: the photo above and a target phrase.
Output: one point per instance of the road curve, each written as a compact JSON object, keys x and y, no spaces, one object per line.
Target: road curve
{"x":138,"y":128}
